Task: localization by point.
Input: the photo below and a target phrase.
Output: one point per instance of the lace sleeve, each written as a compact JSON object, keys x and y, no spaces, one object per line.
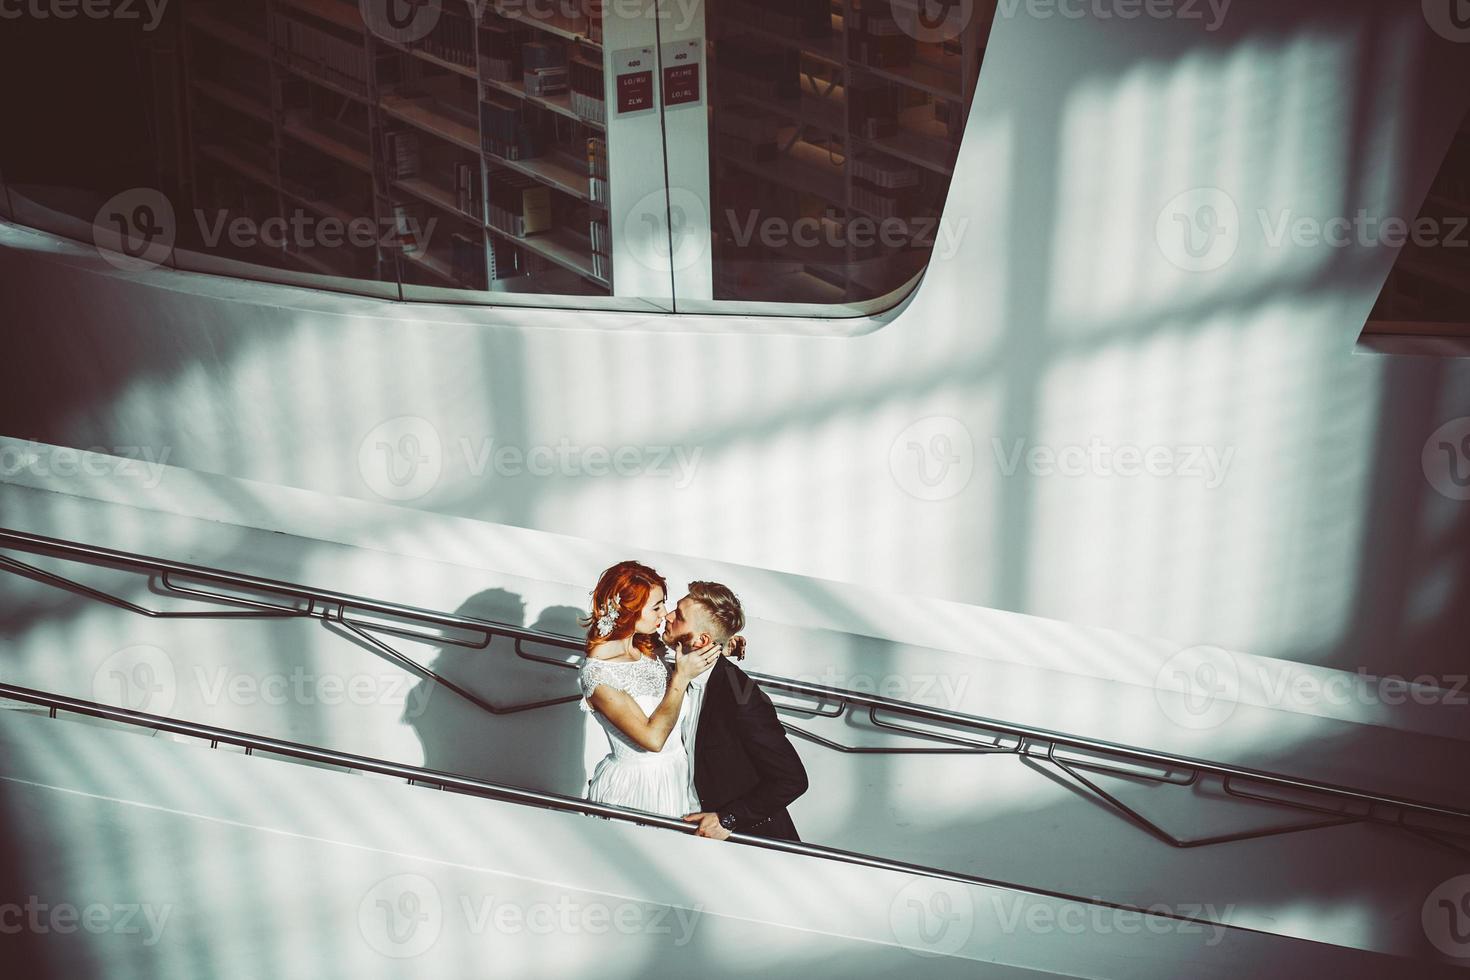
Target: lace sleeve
{"x":591,"y":674}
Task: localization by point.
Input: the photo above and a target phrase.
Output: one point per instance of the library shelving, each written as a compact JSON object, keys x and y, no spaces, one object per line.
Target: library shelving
{"x":481,"y":148}
{"x":475,"y":150}
{"x":830,"y":111}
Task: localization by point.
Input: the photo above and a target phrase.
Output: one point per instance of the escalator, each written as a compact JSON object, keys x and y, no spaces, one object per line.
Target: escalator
{"x":863,"y":913}
{"x":1209,"y":823}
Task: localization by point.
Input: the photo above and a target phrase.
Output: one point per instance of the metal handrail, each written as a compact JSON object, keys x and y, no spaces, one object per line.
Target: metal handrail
{"x":259,"y":610}
{"x":554,"y":801}
{"x":1030,"y":740}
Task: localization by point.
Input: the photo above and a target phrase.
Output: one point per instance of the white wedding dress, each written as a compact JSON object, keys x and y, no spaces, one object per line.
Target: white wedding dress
{"x":630,"y":775}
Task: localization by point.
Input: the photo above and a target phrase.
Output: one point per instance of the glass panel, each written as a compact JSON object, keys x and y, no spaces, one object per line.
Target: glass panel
{"x":543,"y":127}
{"x":487,"y":153}
{"x":834,"y":129}
{"x":1428,"y":291}
{"x":278,"y":146}
{"x":74,"y":140}
{"x":432,"y":173}
{"x":452,"y":156}
{"x":500,"y":152}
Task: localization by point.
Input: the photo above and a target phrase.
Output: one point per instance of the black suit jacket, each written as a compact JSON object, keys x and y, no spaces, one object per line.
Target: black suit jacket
{"x":743,"y":762}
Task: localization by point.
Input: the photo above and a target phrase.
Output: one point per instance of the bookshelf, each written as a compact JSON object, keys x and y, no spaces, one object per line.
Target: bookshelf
{"x":295,"y":106}
{"x":828,"y":111}
{"x":482,"y":148}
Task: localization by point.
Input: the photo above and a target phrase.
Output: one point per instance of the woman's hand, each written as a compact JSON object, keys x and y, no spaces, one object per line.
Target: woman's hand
{"x":690,"y":664}
{"x":652,"y":731}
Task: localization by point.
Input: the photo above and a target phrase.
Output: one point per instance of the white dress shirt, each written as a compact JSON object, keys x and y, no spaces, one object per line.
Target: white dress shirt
{"x":689,"y":723}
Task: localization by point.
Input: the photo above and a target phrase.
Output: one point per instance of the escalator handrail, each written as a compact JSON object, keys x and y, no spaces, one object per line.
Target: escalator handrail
{"x":521,"y":795}
{"x":1044,"y":741}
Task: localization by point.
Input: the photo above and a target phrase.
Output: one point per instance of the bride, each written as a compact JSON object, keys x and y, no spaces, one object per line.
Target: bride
{"x":635,"y":697}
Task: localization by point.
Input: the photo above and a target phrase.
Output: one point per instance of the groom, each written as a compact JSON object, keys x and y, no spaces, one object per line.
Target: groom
{"x":745,"y":771}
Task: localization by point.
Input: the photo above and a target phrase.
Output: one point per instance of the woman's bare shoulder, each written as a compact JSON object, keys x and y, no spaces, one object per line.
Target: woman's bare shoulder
{"x":602,"y":654}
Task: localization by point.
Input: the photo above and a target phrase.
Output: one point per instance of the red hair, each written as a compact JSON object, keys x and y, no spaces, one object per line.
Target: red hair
{"x":627,"y":585}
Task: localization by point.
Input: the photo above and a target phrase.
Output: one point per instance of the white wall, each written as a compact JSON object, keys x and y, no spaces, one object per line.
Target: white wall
{"x":1057,"y":319}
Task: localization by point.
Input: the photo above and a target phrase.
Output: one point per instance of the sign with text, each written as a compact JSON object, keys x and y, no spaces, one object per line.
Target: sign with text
{"x":681,"y":72}
{"x":633,"y":69}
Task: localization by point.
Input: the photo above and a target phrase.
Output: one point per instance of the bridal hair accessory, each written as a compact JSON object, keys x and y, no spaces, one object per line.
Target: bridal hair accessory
{"x":609,"y":617}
